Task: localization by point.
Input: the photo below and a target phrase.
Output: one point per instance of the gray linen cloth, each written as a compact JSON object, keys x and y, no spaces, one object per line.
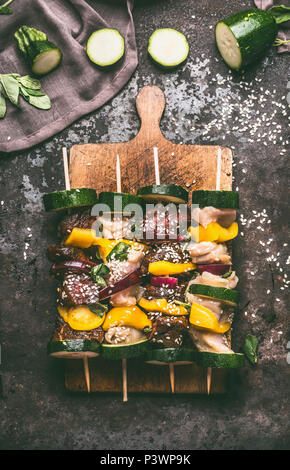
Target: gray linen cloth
{"x":77,"y":86}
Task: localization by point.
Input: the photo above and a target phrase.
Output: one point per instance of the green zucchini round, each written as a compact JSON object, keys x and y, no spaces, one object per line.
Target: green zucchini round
{"x":68,"y":199}
{"x":220,"y":360}
{"x":108,"y":198}
{"x":106,"y":47}
{"x":218,"y":199}
{"x":73,"y":348}
{"x":168,"y":48}
{"x":245,"y":37}
{"x":178,"y":356}
{"x":164,"y":193}
{"x":228,"y":296}
{"x":124,"y":351}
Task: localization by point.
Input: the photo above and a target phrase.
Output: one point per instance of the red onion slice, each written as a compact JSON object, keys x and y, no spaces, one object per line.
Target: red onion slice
{"x":130,"y":280}
{"x":217,"y":269}
{"x":159,"y":281}
{"x":76,"y":266}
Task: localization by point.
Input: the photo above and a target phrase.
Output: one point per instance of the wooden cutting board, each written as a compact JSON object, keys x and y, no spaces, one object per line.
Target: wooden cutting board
{"x":191,"y":166}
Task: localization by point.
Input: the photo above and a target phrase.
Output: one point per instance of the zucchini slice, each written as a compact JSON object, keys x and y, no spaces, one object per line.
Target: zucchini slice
{"x":164,"y":193}
{"x":73,"y":348}
{"x":105,"y":47}
{"x":179,"y":356}
{"x":218,"y":199}
{"x":168,"y":48}
{"x":220,"y":360}
{"x":124,"y":351}
{"x":67,"y":199}
{"x":124,"y":199}
{"x":228,"y":296}
{"x":245,"y":37}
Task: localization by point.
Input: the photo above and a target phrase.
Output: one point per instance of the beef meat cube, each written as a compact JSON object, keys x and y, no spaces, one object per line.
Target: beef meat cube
{"x":171,"y":294}
{"x":77,"y":219}
{"x":63,"y":331}
{"x":168,"y":331}
{"x":171,"y":252}
{"x":78,"y":289}
{"x":57,"y":253}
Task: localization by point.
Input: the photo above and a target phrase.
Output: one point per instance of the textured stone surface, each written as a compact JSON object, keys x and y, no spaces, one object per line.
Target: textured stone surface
{"x":205,"y":104}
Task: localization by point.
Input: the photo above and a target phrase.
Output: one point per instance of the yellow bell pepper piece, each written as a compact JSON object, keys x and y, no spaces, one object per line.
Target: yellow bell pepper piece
{"x":80,"y":317}
{"x":214,"y":232}
{"x":165,"y":268}
{"x":132,"y":317}
{"x":202,"y":317}
{"x":161,"y":305}
{"x":82,"y":237}
{"x":63,"y":311}
{"x":106,"y":245}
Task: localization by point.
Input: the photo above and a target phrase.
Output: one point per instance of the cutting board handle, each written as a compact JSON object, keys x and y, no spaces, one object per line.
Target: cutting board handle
{"x":150,"y":104}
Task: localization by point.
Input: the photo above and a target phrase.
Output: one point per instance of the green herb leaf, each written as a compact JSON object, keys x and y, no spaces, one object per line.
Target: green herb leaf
{"x":100,"y":270}
{"x":251,"y":349}
{"x":280,"y":13}
{"x":29,"y":82}
{"x":226,"y":275}
{"x":40,"y":102}
{"x":119,"y":252}
{"x":98,"y":309}
{"x":183,"y":304}
{"x":11,"y":88}
{"x":5,"y":11}
{"x":2,"y":105}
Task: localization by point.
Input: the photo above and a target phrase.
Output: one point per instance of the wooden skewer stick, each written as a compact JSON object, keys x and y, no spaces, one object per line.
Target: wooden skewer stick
{"x":157,"y":182}
{"x":124,"y":361}
{"x":67,"y":187}
{"x":217,"y":187}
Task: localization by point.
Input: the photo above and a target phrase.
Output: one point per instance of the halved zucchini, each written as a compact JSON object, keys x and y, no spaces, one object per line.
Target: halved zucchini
{"x":105,"y":47}
{"x":245,"y":37}
{"x":168,"y":47}
{"x":73,"y":348}
{"x":228,"y":296}
{"x":178,"y":356}
{"x":68,"y":199}
{"x":164,"y":193}
{"x":218,"y":199}
{"x":124,"y":351}
{"x":220,"y":360}
{"x":117,"y":202}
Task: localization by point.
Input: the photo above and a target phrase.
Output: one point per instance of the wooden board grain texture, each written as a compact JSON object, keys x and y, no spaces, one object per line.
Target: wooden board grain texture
{"x":191,"y":166}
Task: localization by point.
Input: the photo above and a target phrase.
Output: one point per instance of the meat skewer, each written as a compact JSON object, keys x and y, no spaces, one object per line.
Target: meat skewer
{"x":67,"y":187}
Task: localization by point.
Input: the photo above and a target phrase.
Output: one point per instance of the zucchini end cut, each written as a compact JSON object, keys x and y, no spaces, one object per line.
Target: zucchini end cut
{"x":46,"y":61}
{"x":228,"y":46}
{"x":220,"y":360}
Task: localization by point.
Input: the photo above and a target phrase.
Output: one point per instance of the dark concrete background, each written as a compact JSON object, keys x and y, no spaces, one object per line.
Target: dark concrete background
{"x":205,"y":104}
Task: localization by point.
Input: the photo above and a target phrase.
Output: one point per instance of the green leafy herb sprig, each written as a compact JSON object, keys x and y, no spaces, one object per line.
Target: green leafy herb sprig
{"x":5,"y":9}
{"x":251,"y":349}
{"x":12,"y":86}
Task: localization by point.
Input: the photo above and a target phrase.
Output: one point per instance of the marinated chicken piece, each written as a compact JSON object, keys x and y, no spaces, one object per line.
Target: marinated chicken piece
{"x":209,"y":279}
{"x":168,"y":331}
{"x":116,"y":228}
{"x":208,"y":253}
{"x":206,"y":215}
{"x":123,"y":335}
{"x":209,"y":342}
{"x":120,"y":269}
{"x":78,"y":289}
{"x":63,"y":331}
{"x":171,"y":294}
{"x":66,"y":253}
{"x":125,"y":298}
{"x":77,"y":219}
{"x":171,"y":252}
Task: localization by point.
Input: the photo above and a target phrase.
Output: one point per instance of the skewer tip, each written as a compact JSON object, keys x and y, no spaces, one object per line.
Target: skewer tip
{"x":172,"y":378}
{"x":125,"y":388}
{"x":208,"y":380}
{"x":87,"y":373}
